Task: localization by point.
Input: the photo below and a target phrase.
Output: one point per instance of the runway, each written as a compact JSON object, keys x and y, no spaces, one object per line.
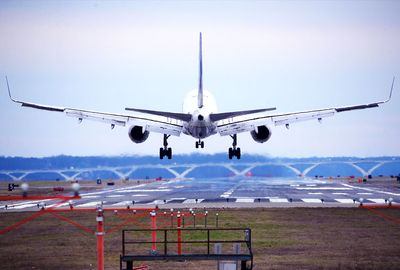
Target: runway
{"x":231,"y":192}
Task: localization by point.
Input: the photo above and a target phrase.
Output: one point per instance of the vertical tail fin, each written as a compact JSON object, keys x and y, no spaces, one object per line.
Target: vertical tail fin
{"x":200,"y":94}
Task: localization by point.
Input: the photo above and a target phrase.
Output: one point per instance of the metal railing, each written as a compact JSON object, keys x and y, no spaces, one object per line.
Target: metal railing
{"x":170,"y":240}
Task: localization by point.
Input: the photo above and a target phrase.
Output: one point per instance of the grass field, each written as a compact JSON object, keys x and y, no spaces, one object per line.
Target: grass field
{"x":288,"y":238}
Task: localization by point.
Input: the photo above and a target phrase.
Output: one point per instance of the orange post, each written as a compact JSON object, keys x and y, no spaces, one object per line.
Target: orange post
{"x":154,"y":232}
{"x":100,"y":239}
{"x":178,"y":217}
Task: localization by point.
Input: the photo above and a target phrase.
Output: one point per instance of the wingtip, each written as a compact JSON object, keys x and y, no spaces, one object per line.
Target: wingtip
{"x":9,"y":92}
{"x":391,"y":89}
{"x":8,"y":88}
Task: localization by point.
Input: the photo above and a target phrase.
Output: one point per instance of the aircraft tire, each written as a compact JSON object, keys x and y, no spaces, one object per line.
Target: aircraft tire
{"x":169,"y":153}
{"x":238,"y":153}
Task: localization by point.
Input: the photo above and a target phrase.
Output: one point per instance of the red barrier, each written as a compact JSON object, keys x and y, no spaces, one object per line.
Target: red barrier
{"x":22,"y":222}
{"x":30,"y":218}
{"x":380,"y":206}
{"x":100,"y":220}
{"x":71,"y":222}
{"x":372,"y":207}
{"x":100,"y":239}
{"x":178,"y":217}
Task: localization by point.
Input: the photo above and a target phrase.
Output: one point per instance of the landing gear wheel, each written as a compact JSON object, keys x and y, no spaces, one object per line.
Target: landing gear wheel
{"x":200,"y":144}
{"x":166,"y":151}
{"x":238,"y":153}
{"x":233,"y":151}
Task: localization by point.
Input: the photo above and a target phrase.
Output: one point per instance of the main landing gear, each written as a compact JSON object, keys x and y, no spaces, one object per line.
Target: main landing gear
{"x":233,"y":151}
{"x":166,"y":151}
{"x":200,"y":143}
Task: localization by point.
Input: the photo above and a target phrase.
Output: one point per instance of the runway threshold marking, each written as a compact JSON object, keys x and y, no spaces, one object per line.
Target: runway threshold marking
{"x":309,"y":200}
{"x":278,"y":200}
{"x":376,"y":200}
{"x":244,"y":200}
{"x":344,"y":200}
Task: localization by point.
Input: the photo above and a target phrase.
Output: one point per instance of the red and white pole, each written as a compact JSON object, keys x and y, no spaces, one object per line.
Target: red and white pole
{"x":100,"y":238}
{"x":178,"y":217}
{"x":153,"y":232}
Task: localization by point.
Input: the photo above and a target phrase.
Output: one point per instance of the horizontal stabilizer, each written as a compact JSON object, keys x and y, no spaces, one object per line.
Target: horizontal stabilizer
{"x":221,"y":116}
{"x":178,"y":116}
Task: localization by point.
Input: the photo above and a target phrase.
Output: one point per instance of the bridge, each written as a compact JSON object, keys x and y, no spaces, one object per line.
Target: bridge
{"x":283,"y":169}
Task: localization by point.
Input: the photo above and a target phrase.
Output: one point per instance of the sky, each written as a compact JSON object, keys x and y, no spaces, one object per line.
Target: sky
{"x":108,"y":55}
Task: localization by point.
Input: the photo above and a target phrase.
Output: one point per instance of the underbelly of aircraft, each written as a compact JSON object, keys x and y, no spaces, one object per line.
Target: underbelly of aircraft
{"x":200,"y":131}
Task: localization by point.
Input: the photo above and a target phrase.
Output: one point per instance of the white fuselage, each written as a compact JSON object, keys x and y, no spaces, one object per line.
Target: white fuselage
{"x":200,"y":126}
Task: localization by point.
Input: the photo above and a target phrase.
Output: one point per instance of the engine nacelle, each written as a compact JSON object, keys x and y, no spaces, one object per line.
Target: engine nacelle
{"x":261,"y":134}
{"x":137,"y":135}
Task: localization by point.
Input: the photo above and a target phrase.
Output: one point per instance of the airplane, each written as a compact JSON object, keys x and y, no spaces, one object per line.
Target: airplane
{"x":200,"y":118}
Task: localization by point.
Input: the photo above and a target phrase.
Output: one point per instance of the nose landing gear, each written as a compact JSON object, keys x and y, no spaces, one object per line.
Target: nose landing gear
{"x":200,"y":143}
{"x":166,"y":151}
{"x":233,"y":151}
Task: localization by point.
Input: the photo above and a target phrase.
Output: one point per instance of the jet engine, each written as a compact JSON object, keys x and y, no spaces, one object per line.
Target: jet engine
{"x":137,"y":135}
{"x":261,"y":134}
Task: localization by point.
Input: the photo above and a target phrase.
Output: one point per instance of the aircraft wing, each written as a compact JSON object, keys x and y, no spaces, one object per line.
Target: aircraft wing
{"x":244,"y":124}
{"x":151,"y":123}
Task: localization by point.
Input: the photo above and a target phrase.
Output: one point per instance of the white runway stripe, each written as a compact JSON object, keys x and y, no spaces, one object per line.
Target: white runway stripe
{"x":89,"y":204}
{"x":158,"y":202}
{"x":114,"y":196}
{"x":244,"y":200}
{"x":56,"y":204}
{"x":376,"y":200}
{"x":344,"y":200}
{"x":324,"y":188}
{"x":309,"y":200}
{"x":23,"y":206}
{"x":123,"y":203}
{"x":143,"y":190}
{"x":193,"y":201}
{"x":278,"y":200}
